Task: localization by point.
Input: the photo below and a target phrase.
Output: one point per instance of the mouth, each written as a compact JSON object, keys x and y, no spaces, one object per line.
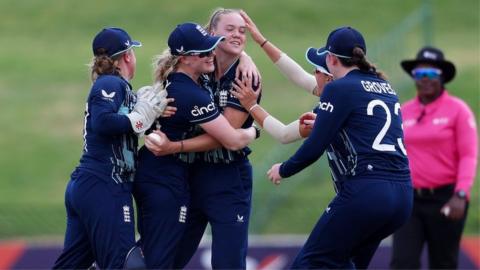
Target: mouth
{"x":235,"y":43}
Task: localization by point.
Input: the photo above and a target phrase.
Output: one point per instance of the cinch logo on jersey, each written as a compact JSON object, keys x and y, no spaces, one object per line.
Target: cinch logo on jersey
{"x":182,"y":217}
{"x":203,"y":110}
{"x":378,"y":87}
{"x":126,"y":214}
{"x":325,"y":106}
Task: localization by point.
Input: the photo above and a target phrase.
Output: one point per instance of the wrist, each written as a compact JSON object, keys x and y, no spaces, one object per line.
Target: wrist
{"x":253,"y":106}
{"x":263,"y":43}
{"x":178,"y":147}
{"x":257,"y":131}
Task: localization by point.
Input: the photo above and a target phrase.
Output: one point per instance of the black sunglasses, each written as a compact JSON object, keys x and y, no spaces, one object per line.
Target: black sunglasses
{"x":202,"y":54}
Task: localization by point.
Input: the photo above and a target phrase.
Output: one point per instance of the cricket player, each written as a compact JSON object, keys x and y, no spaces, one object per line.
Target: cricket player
{"x":359,"y":125}
{"x":100,"y":222}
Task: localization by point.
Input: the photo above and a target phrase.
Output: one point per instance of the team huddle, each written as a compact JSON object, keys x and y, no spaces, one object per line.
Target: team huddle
{"x":198,"y":120}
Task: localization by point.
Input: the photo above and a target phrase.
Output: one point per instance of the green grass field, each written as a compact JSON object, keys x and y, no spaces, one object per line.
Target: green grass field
{"x":44,"y":82}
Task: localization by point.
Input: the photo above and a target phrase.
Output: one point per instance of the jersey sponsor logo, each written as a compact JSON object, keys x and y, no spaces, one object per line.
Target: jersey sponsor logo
{"x":409,"y":122}
{"x":198,"y":111}
{"x":108,"y":96}
{"x":440,"y":121}
{"x":325,"y":106}
{"x":182,"y":216}
{"x":378,"y":87}
{"x":471,"y":123}
{"x":126,"y":214}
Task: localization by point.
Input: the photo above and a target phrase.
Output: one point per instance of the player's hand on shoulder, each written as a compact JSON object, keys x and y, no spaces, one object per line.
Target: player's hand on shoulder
{"x":247,"y":69}
{"x":274,"y":174}
{"x":243,"y":91}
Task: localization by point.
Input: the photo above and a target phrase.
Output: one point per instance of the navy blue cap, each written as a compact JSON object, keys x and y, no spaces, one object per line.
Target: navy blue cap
{"x":343,"y":40}
{"x":114,"y":41}
{"x":190,"y":38}
{"x":318,"y":58}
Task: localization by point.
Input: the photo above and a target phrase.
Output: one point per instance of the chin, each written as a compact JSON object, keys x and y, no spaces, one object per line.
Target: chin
{"x":209,"y":68}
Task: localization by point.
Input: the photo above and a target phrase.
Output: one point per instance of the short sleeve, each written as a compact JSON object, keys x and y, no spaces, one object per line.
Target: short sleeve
{"x":201,"y":108}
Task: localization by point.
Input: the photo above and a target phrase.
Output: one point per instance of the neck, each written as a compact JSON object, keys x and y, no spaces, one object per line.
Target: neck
{"x":429,"y":99}
{"x":189,"y":72}
{"x":223,"y":61}
{"x":124,"y":71}
{"x":344,"y":71}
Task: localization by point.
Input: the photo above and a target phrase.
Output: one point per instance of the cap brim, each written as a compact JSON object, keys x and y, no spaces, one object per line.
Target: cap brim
{"x":447,"y":67}
{"x":133,"y":43}
{"x":136,"y":43}
{"x":209,"y":44}
{"x":317,"y":57}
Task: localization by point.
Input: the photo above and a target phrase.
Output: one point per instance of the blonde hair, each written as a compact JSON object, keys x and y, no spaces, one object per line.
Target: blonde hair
{"x":104,"y":65}
{"x":215,"y":17}
{"x":164,"y":64}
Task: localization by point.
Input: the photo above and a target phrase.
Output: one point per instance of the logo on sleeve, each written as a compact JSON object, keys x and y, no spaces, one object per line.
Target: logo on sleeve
{"x":199,"y":111}
{"x":182,"y":216}
{"x":108,"y":96}
{"x":325,"y":106}
{"x":126,"y":214}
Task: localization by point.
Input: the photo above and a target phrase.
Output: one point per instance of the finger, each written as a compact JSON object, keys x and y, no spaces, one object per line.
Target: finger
{"x":169,"y":100}
{"x":308,"y":122}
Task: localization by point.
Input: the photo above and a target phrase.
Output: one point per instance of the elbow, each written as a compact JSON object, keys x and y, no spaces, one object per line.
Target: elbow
{"x":284,"y":139}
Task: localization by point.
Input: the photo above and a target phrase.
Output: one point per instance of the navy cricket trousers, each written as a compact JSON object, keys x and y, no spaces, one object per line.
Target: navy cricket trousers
{"x":100,"y":223}
{"x":362,"y":214}
{"x":221,"y":195}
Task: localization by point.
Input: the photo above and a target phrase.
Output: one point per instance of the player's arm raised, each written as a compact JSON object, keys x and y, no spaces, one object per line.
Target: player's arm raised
{"x":287,"y":66}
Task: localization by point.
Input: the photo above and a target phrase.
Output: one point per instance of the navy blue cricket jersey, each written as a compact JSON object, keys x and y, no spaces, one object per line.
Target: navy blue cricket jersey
{"x":220,"y":90}
{"x":110,"y":145}
{"x":360,"y":126}
{"x":194,"y":106}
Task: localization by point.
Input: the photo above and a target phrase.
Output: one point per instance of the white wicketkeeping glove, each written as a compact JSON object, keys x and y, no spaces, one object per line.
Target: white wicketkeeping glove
{"x":162,"y":93}
{"x":146,"y":110}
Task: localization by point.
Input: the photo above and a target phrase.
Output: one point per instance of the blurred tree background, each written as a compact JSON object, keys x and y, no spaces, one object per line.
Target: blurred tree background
{"x":44,"y":82}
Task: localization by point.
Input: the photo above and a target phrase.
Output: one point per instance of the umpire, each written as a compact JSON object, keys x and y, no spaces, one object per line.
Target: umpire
{"x":441,"y":142}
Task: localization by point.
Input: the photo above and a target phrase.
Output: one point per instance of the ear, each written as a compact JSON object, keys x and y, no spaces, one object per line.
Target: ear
{"x":184,"y":60}
{"x":127,"y":57}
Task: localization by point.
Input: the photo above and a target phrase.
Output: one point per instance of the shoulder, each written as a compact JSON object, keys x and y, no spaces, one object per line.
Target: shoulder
{"x":457,"y":103}
{"x":409,"y":104}
{"x":109,"y":83}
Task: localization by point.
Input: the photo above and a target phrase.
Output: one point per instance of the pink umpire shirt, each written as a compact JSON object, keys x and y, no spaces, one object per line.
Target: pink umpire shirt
{"x":441,"y":142}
